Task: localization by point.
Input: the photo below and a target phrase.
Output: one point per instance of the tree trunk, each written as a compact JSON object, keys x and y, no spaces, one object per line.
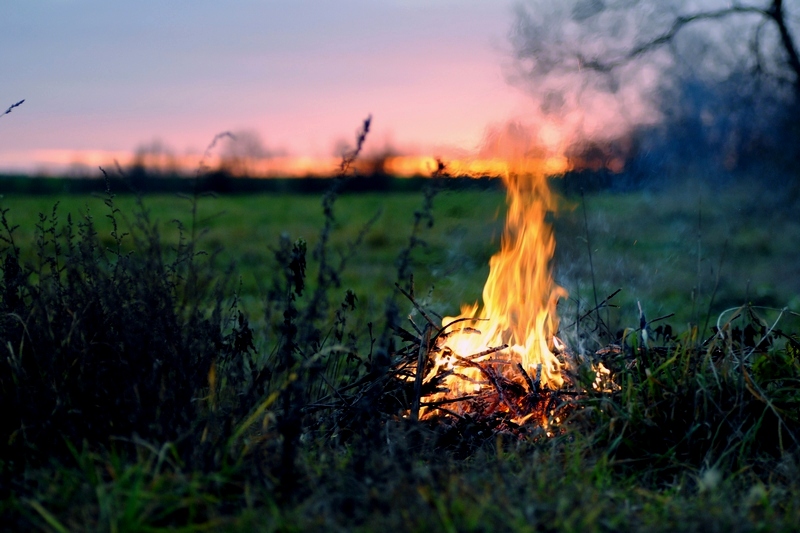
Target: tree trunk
{"x":793,"y":59}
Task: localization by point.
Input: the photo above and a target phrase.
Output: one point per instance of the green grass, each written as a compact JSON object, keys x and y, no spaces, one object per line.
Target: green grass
{"x":697,"y":438}
{"x":516,"y":489}
{"x":246,"y":229}
{"x":671,"y":251}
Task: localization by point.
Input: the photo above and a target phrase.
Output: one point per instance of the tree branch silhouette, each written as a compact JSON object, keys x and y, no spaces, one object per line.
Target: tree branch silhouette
{"x":774,"y":13}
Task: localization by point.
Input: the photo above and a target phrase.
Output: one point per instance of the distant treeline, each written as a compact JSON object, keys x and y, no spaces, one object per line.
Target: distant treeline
{"x":222,"y":183}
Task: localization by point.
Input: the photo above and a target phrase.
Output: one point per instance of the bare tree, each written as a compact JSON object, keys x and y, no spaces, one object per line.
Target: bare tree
{"x":605,"y":36}
{"x":741,"y":58}
{"x":154,"y":157}
{"x":242,"y":152}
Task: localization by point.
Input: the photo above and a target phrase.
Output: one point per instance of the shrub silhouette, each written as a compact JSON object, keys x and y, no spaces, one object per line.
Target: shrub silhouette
{"x":105,"y":342}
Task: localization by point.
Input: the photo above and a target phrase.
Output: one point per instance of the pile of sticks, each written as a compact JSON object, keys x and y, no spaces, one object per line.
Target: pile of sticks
{"x":506,"y":398}
{"x":410,"y":383}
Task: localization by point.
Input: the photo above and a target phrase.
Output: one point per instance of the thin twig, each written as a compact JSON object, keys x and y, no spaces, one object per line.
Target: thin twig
{"x":12,"y":106}
{"x":449,"y":400}
{"x":589,"y":312}
{"x":528,"y":380}
{"x":493,"y":380}
{"x":664,"y":317}
{"x":485,"y":352}
{"x":589,"y":248}
{"x":760,"y":395}
{"x":422,"y":358}
{"x":419,"y":307}
{"x":449,"y":412}
{"x":348,"y":158}
{"x":442,"y":334}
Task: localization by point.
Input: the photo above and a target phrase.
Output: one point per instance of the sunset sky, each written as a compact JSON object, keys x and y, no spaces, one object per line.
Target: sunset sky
{"x":110,"y":76}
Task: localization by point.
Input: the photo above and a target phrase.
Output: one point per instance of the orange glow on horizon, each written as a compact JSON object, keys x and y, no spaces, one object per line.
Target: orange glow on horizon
{"x":86,"y":162}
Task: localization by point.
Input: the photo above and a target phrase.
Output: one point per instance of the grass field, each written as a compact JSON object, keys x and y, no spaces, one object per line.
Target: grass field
{"x":692,"y":250}
{"x":670,"y":250}
{"x":696,"y":436}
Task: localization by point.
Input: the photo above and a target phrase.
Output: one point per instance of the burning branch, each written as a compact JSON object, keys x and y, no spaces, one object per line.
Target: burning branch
{"x":484,"y":353}
{"x":492,"y":377}
{"x":532,"y":387}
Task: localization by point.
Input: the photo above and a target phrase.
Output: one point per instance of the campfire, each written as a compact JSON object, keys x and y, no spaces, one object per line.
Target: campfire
{"x":502,"y":360}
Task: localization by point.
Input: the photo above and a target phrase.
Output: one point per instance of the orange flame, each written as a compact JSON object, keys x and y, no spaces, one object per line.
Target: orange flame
{"x":520,"y":296}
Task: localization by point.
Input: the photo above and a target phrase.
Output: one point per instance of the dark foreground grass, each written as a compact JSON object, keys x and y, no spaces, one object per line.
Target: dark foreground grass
{"x":143,"y":394}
